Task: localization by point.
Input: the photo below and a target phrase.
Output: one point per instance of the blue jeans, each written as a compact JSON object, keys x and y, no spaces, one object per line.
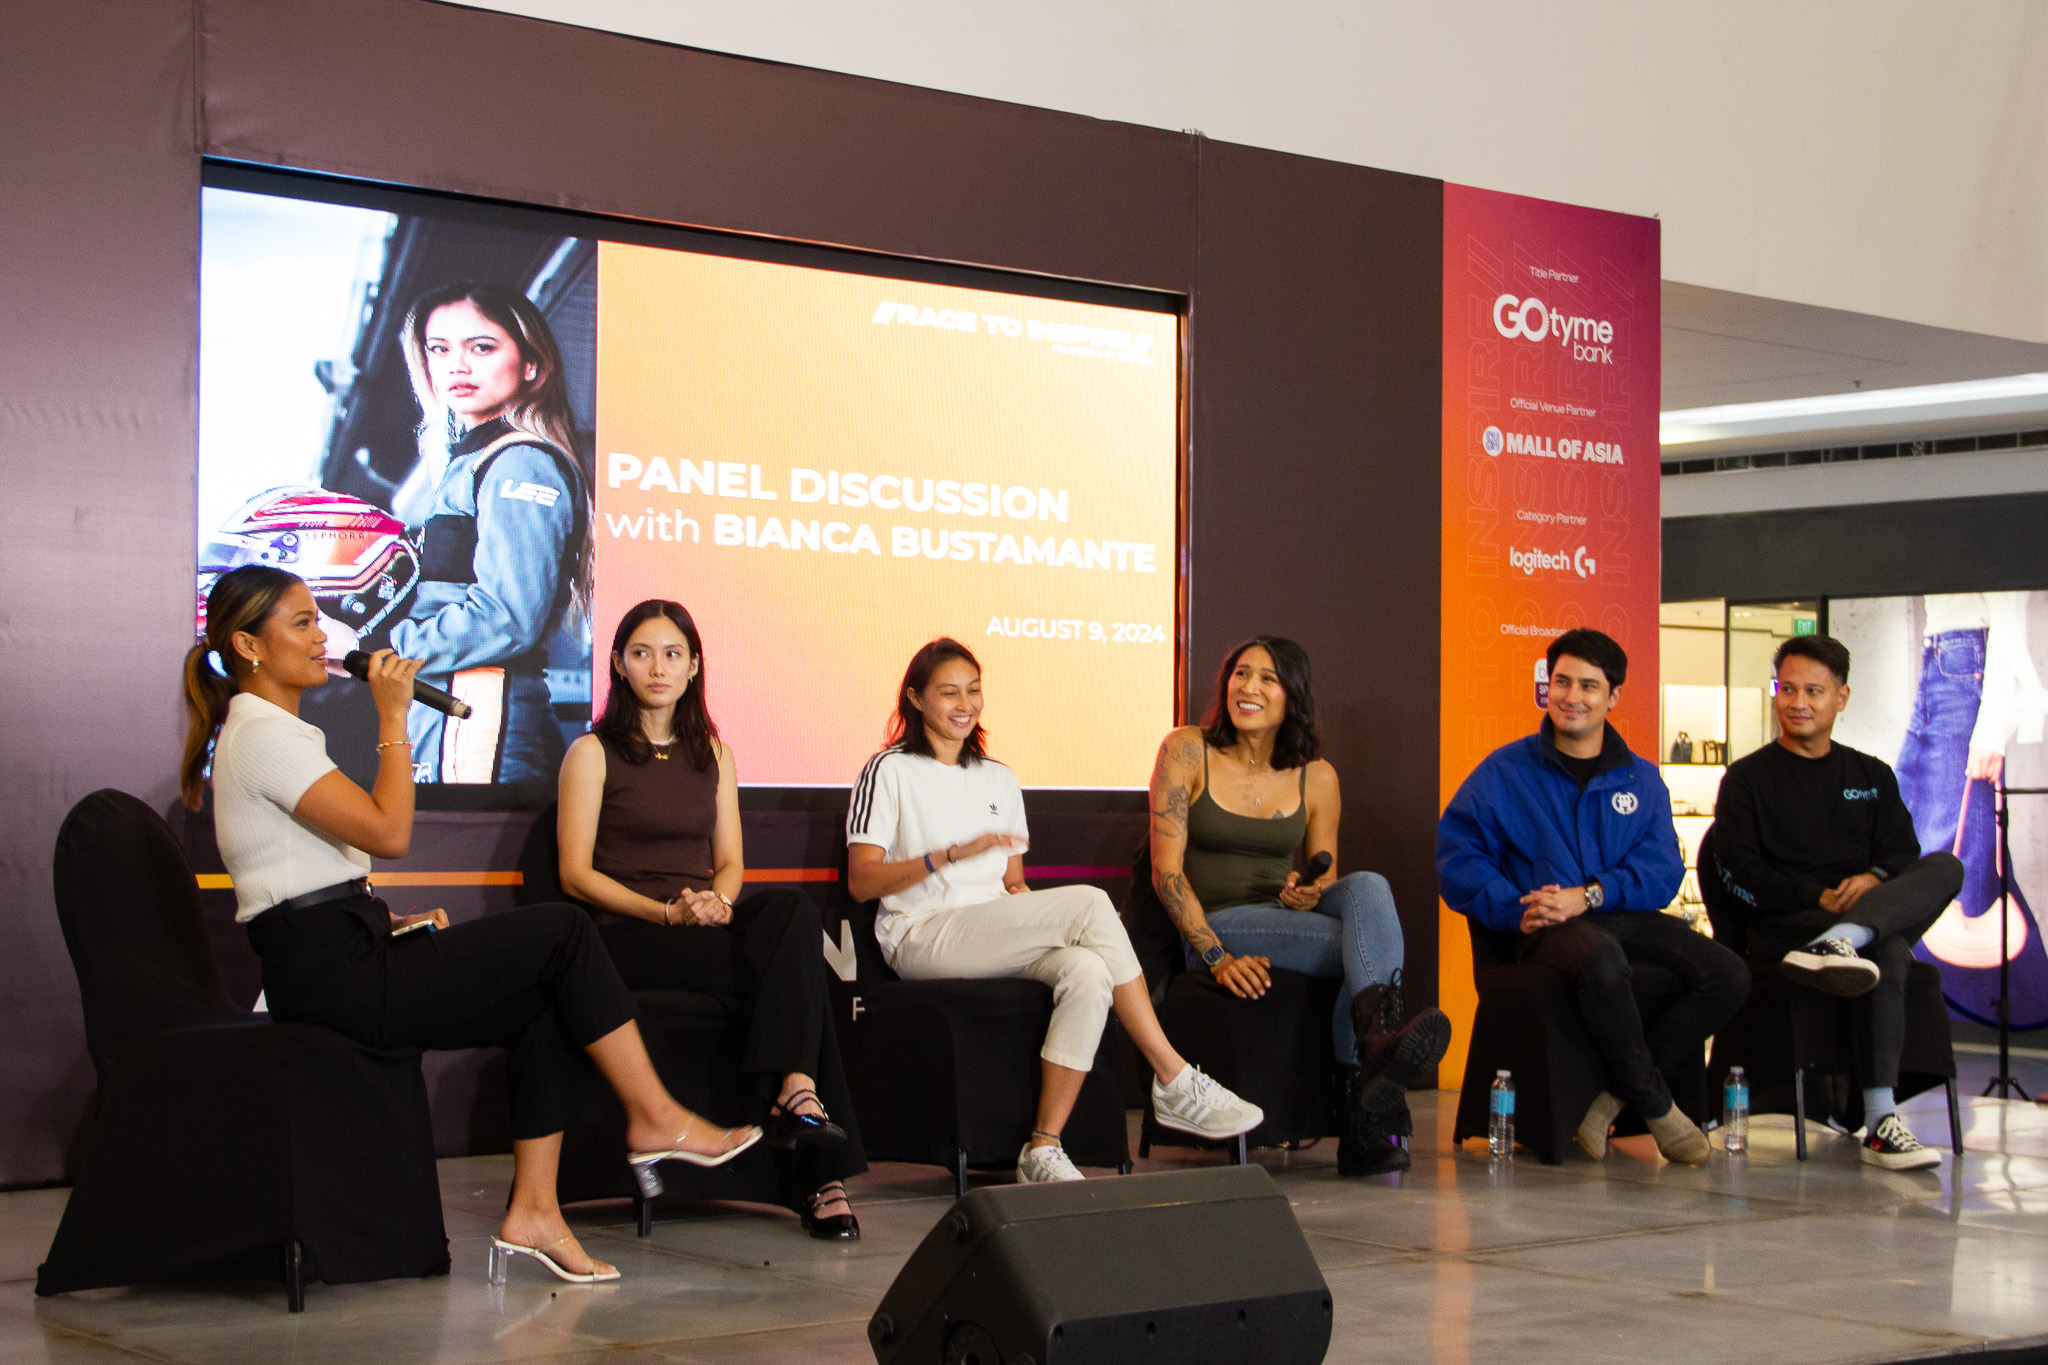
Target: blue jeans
{"x":1932,"y":767}
{"x":1354,"y":932}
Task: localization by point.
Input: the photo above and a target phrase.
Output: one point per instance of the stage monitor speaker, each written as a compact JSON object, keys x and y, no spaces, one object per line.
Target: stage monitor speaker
{"x":1190,"y":1267}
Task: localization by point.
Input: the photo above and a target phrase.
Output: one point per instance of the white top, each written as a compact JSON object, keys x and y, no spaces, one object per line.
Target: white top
{"x":909,"y":805}
{"x":263,"y":762}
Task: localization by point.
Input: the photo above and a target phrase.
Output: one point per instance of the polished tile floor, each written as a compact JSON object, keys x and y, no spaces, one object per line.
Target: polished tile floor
{"x":1760,"y":1259}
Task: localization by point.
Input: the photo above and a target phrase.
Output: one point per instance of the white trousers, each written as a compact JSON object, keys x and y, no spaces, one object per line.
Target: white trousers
{"x":1069,"y":937}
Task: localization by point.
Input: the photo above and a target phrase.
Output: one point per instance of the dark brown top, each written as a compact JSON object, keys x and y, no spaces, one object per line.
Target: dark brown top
{"x":654,"y":828}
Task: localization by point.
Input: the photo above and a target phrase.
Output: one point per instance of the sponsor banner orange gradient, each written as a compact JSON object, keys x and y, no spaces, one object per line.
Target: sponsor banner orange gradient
{"x":829,"y":470}
{"x":1550,"y":467}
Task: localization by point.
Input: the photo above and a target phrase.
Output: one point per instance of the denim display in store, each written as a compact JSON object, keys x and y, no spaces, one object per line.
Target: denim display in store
{"x":1955,"y":812}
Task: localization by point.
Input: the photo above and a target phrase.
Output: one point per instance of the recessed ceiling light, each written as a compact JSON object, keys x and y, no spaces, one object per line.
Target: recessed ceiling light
{"x":1866,"y":407}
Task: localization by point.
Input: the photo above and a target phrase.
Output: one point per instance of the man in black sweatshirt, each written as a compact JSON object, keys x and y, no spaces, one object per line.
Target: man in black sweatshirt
{"x":1813,"y":837}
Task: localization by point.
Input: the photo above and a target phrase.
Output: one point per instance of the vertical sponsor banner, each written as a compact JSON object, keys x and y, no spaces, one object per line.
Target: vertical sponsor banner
{"x":1550,"y":466}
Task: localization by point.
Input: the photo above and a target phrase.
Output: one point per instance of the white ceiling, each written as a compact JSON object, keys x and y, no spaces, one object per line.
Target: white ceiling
{"x":1722,"y":347}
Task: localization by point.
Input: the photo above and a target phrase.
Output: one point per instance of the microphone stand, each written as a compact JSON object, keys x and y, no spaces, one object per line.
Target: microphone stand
{"x":2004,"y":1084}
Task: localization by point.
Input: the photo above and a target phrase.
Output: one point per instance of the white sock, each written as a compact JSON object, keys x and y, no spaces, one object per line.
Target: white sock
{"x":1855,"y":935}
{"x":1878,"y":1101}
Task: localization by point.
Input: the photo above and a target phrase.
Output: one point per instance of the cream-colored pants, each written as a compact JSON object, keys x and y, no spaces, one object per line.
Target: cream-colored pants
{"x":1069,"y":937}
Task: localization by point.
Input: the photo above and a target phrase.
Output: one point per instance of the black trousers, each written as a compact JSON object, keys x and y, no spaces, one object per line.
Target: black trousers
{"x":1898,"y":910}
{"x":1594,"y":952}
{"x":768,"y":966}
{"x":535,"y":980}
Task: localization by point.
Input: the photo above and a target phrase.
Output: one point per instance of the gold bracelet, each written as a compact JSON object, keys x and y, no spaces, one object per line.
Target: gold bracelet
{"x":722,"y":896}
{"x":393,"y":744}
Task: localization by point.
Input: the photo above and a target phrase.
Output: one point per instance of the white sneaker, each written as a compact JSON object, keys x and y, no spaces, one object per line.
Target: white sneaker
{"x":1040,"y":1165}
{"x":1831,"y":965}
{"x":1193,"y":1103}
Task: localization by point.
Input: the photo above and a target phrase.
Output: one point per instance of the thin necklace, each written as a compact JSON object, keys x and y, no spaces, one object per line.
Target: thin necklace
{"x":1252,"y":773}
{"x":662,"y":746}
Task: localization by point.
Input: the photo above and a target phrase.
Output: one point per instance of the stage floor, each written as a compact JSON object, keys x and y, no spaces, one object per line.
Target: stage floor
{"x":1760,"y":1259}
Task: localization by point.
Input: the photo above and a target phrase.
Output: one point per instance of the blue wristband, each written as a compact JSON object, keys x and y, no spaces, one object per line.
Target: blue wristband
{"x":933,"y":871}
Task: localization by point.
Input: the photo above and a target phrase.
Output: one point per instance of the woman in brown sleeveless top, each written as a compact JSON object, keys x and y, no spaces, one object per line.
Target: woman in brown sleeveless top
{"x":1234,"y":801}
{"x":649,"y":827}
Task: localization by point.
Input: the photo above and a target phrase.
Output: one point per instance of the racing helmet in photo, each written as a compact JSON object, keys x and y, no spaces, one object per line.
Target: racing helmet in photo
{"x":355,"y":557}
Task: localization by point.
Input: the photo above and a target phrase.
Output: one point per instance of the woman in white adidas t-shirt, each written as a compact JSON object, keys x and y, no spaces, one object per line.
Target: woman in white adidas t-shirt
{"x":936,"y":830}
{"x":297,"y":835}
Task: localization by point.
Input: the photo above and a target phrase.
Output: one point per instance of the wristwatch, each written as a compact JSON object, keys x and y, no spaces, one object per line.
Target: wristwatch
{"x":1595,"y":897}
{"x":1213,"y":957}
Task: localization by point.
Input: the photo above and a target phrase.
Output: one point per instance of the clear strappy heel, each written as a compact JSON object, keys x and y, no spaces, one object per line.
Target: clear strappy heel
{"x":503,"y":1251}
{"x":645,"y":1164}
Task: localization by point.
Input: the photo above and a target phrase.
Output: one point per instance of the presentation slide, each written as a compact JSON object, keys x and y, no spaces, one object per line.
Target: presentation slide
{"x":828,"y":467}
{"x":831,"y":469}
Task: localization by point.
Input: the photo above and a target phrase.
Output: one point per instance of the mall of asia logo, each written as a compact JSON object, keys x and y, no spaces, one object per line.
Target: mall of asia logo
{"x":1563,"y":561}
{"x":1587,"y":338}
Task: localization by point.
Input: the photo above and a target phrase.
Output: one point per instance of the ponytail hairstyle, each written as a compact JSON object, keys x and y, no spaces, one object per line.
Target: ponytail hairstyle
{"x":906,"y":727}
{"x":1296,"y":744}
{"x":620,"y":722}
{"x":240,"y":600}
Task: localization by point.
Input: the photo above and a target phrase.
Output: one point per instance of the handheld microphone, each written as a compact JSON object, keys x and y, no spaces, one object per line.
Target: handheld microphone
{"x":357,"y":665}
{"x":1317,"y":866}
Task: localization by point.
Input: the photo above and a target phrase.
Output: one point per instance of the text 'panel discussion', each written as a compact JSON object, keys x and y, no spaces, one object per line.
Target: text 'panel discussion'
{"x":1046,"y":684}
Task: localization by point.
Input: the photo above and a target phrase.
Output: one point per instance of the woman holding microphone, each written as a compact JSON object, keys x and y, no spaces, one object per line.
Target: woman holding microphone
{"x":297,"y":837}
{"x":1234,"y":801}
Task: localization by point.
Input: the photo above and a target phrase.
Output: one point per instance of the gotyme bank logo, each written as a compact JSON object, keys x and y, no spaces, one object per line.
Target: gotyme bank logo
{"x":1560,"y":562}
{"x":1532,"y":320}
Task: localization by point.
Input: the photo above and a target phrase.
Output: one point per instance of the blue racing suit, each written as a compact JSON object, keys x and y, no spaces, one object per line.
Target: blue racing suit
{"x":498,"y":562}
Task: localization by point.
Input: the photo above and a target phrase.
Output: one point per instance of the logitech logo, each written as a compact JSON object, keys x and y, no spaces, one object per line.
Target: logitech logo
{"x":1562,"y":561}
{"x":1530,"y":319}
{"x":1859,"y":793}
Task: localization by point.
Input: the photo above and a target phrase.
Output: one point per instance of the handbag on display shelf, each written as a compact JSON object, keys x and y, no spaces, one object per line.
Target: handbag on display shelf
{"x":1713,"y":751}
{"x":1681,"y":748}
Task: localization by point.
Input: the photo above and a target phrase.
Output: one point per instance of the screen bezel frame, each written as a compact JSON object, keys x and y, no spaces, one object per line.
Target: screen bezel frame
{"x":291,"y":183}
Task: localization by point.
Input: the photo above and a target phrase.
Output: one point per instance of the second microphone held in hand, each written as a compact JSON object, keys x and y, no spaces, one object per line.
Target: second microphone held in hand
{"x":357,"y":664}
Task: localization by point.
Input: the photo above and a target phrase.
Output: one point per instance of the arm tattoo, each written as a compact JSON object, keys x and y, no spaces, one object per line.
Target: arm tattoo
{"x":1172,"y":815}
{"x":1185,"y":911}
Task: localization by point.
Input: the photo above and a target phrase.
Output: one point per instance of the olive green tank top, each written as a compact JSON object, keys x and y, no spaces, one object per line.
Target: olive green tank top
{"x":1240,"y":859}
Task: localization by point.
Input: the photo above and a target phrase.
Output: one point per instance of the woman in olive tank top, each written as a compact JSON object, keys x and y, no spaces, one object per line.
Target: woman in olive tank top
{"x":649,"y":827}
{"x":1235,"y":801}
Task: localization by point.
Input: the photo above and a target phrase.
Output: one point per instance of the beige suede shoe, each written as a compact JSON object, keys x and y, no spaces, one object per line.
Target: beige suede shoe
{"x":1592,"y":1134}
{"x":1680,"y":1139}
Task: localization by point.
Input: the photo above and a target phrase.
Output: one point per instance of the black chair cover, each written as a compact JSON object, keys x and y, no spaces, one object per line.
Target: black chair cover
{"x":1528,"y":1024}
{"x":948,"y":1070}
{"x":1275,"y":1051}
{"x":219,"y":1138}
{"x":696,"y":1044}
{"x":1784,"y":1028}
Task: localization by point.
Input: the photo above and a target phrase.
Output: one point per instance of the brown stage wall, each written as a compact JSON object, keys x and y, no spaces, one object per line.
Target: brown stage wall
{"x":1312,"y":365}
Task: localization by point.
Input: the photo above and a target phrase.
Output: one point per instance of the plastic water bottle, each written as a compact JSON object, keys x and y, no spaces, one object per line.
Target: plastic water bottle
{"x":1735,"y":1113}
{"x":1500,"y":1126}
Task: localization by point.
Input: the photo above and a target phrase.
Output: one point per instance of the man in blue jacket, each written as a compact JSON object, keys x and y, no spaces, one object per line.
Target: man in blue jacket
{"x":1564,"y":840}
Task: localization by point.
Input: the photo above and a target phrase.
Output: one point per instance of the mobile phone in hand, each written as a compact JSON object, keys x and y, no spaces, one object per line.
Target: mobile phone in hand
{"x":405,"y":929}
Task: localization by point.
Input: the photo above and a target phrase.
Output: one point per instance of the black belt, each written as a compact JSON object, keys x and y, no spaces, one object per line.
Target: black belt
{"x":340,"y":891}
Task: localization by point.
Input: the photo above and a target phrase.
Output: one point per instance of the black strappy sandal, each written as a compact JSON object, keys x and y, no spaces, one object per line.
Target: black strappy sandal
{"x":786,"y":1129}
{"x":840,"y":1227}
